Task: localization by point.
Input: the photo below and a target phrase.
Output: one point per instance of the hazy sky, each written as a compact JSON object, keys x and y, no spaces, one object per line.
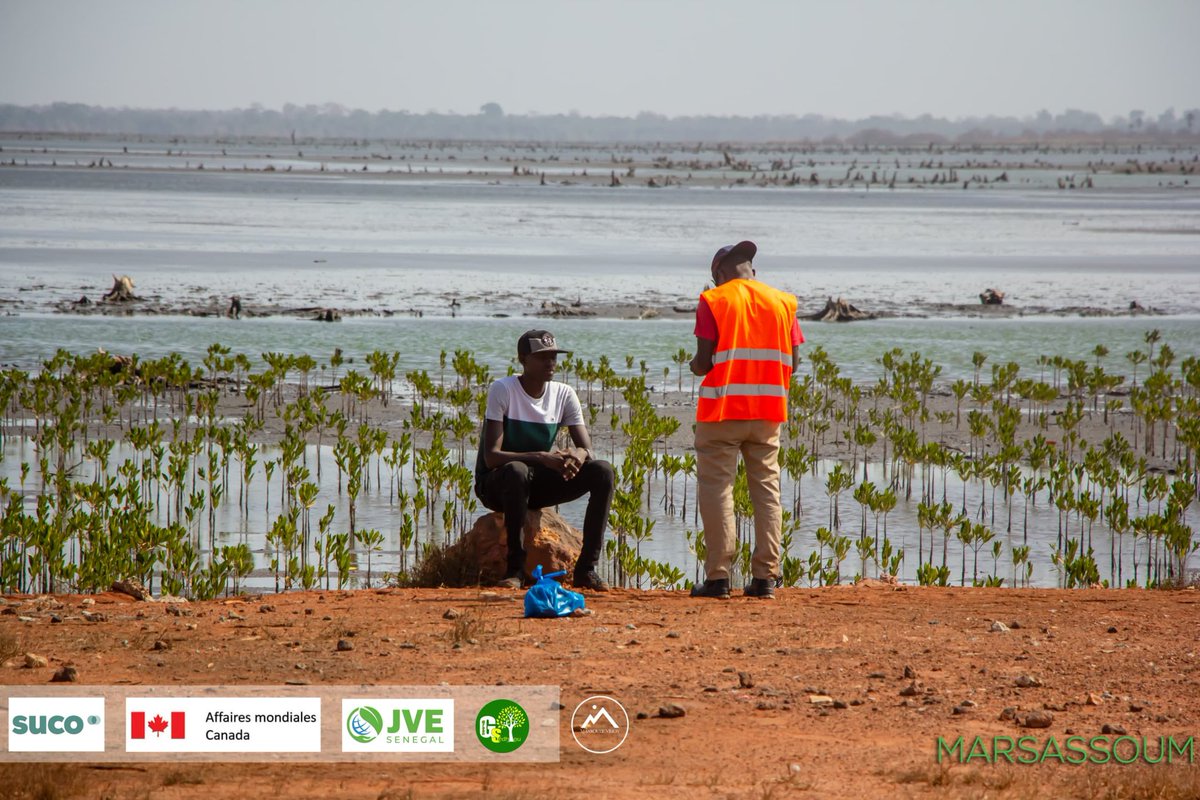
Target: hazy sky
{"x":841,"y":58}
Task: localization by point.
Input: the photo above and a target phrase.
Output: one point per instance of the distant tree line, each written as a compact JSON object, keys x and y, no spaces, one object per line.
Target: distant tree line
{"x":492,"y":124}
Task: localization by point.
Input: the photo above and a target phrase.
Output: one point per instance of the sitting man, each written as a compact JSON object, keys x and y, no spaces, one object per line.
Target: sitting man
{"x":516,"y":469}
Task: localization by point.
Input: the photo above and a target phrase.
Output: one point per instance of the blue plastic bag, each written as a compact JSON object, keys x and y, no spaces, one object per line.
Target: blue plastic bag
{"x":547,"y":597}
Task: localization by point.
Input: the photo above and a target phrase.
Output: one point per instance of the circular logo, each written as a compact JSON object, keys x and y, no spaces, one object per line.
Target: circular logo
{"x":93,"y":720}
{"x":364,"y":724}
{"x":600,"y":724}
{"x":502,"y":726}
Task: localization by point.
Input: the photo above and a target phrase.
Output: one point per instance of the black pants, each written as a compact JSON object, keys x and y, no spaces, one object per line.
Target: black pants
{"x":516,"y":487}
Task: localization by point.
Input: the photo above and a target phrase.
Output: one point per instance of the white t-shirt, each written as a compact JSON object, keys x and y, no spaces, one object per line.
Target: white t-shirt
{"x":530,"y":423}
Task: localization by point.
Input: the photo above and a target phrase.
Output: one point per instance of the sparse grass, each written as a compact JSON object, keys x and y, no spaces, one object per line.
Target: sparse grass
{"x":445,"y":566}
{"x":396,"y":793}
{"x":10,"y":647}
{"x":40,"y":781}
{"x":1137,"y":782}
{"x":182,"y":778}
{"x":470,"y":629}
{"x":930,"y":774}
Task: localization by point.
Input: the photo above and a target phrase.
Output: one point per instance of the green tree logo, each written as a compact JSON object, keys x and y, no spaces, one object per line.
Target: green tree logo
{"x":502,"y":726}
{"x":364,"y":724}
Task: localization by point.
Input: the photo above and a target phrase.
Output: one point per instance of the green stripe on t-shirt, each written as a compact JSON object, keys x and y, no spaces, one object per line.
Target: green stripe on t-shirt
{"x":521,"y":436}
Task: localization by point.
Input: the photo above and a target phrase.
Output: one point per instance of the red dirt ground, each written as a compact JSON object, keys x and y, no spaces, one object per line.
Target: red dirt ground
{"x":1135,"y":652}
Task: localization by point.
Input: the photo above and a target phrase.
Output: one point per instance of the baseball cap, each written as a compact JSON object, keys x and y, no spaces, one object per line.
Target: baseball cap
{"x":537,"y":341}
{"x":745,"y":250}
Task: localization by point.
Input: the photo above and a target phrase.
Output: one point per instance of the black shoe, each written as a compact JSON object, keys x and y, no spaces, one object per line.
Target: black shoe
{"x":589,"y":580}
{"x":512,"y":580}
{"x":761,"y":587}
{"x":717,"y":588}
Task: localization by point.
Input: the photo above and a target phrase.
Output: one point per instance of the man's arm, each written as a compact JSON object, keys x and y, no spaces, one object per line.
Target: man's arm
{"x":495,"y":456}
{"x":702,"y":363}
{"x":795,"y":358}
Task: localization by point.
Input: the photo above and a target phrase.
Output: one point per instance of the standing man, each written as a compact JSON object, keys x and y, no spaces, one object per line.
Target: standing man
{"x":747,"y":347}
{"x":516,"y":469}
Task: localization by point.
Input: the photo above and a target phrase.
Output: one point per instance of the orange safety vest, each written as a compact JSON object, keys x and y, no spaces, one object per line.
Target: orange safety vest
{"x":752,"y":363}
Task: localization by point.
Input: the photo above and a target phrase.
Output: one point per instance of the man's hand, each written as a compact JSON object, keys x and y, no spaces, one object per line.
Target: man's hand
{"x":567,"y":462}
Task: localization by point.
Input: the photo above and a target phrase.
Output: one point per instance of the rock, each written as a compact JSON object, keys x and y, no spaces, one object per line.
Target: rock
{"x":1093,"y":699}
{"x":820,"y":700}
{"x":177,"y":611}
{"x":1008,"y":714}
{"x":160,"y":644}
{"x":1014,"y":625}
{"x":991,"y":297}
{"x":840,"y":704}
{"x":1038,"y":719}
{"x":1027,"y":682}
{"x":1115,"y":730}
{"x":65,"y":674}
{"x":452,"y":613}
{"x":766,"y":705}
{"x":344,"y":645}
{"x":94,"y":616}
{"x":1112,"y":628}
{"x":266,"y":608}
{"x":549,"y":541}
{"x":912,"y":690}
{"x":132,"y":588}
{"x":745,"y":680}
{"x":876,"y":676}
{"x":671,"y":711}
{"x":957,"y":710}
{"x":999,"y":627}
{"x":34,"y":661}
{"x":909,"y":673}
{"x":1137,"y":706}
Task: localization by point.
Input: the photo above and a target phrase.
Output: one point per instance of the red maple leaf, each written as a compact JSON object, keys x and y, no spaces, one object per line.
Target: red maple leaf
{"x":158,"y":724}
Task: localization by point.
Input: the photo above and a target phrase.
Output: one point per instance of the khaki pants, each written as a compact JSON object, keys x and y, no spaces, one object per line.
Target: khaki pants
{"x":717,"y":448}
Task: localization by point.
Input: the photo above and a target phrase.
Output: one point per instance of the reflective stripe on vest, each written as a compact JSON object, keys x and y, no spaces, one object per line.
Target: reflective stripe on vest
{"x":753,"y":354}
{"x":743,"y":390}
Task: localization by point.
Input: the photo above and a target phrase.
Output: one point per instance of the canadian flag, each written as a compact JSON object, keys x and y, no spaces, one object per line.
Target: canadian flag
{"x":138,"y":725}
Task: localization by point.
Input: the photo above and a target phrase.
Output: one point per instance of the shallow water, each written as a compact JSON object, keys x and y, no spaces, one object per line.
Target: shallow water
{"x":378,"y":509}
{"x":380,"y":245}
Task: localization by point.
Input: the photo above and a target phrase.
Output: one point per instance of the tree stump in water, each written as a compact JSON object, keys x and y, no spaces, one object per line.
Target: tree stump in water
{"x":121,"y":291}
{"x":839,"y":311}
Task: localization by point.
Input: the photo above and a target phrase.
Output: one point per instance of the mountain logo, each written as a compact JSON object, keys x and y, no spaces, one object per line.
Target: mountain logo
{"x":600,"y":724}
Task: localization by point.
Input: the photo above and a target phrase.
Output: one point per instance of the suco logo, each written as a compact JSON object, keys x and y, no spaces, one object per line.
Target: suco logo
{"x":56,"y":724}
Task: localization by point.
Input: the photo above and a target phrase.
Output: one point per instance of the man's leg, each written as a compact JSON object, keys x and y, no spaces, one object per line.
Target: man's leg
{"x":507,"y":489}
{"x":596,"y":479}
{"x":760,"y":452}
{"x":717,"y":446}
